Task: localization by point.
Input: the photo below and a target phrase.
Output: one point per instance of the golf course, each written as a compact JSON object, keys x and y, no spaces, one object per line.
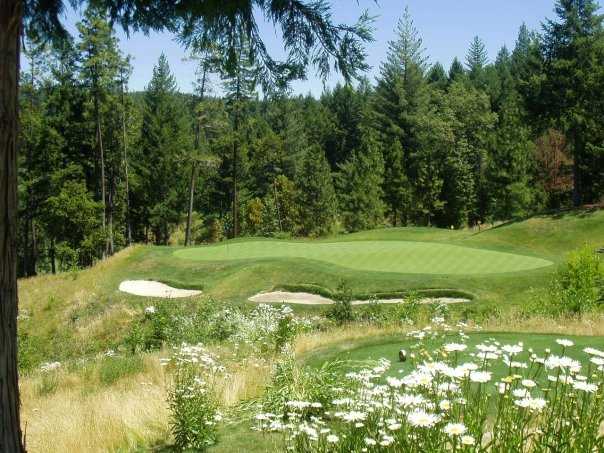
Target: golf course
{"x":403,"y":257}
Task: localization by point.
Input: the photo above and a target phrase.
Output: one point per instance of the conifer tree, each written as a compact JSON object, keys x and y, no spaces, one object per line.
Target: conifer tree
{"x":437,"y":77}
{"x":397,"y":188}
{"x":240,"y":75}
{"x":476,"y":61}
{"x":573,"y":46}
{"x":317,"y":197}
{"x":101,"y":60}
{"x":456,"y":71}
{"x":360,"y":181}
{"x":166,"y":140}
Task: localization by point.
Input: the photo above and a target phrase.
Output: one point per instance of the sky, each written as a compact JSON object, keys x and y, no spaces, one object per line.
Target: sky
{"x":446,"y":26}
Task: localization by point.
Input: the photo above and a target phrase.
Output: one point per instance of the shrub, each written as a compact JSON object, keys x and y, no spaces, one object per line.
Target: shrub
{"x":579,"y":283}
{"x":193,"y":407}
{"x":341,"y":311}
{"x":576,"y":288}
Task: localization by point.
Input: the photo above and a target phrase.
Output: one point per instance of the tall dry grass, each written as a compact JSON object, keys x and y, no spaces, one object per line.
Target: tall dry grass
{"x":82,"y":416}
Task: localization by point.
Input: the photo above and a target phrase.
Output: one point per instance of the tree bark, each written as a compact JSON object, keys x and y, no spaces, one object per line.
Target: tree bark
{"x":101,"y":157}
{"x":191,"y":198}
{"x":125,"y":144}
{"x":10,"y":29}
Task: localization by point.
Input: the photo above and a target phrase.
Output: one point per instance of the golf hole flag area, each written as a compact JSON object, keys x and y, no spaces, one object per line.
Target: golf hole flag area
{"x":406,"y":257}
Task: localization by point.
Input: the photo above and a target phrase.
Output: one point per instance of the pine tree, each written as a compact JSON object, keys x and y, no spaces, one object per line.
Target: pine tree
{"x":317,"y":197}
{"x":456,"y":71}
{"x":437,"y":77}
{"x":101,"y":60}
{"x":346,"y":106}
{"x":360,"y":181}
{"x":401,"y":104}
{"x":207,"y":62}
{"x":573,"y":90}
{"x":476,"y":61}
{"x":397,"y":188}
{"x":166,"y":140}
{"x":239,"y":73}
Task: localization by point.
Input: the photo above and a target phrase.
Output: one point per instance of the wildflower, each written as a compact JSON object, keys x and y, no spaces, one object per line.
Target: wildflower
{"x":564,"y":342}
{"x":444,"y":405}
{"x":467,"y":440}
{"x":455,"y":347}
{"x":354,"y":416}
{"x":370,"y":442}
{"x":332,"y":439}
{"x":455,"y":429}
{"x":521,"y":393}
{"x":150,"y":309}
{"x":386,"y":440}
{"x":512,"y":349}
{"x":480,"y":376}
{"x":394,"y":426}
{"x":528,"y":383}
{"x":50,"y":366}
{"x":585,"y":386}
{"x":422,"y":419}
{"x":593,"y":351}
{"x":533,"y":404}
{"x":597,"y":361}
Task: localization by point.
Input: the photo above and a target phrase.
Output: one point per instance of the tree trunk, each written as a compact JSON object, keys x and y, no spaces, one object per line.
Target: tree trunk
{"x":577,"y":189}
{"x":33,"y":259}
{"x":125,"y":143}
{"x":10,"y":28}
{"x":235,"y":191}
{"x":191,"y":197}
{"x":110,"y":246}
{"x":53,"y":257}
{"x":101,"y":157}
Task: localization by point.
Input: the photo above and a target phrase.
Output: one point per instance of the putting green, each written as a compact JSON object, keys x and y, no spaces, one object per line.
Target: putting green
{"x":382,"y":256}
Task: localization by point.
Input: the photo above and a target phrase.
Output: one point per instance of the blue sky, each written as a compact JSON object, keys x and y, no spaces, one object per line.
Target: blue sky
{"x":446,"y":26}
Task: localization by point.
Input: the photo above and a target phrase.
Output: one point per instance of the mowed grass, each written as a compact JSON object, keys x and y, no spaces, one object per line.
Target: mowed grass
{"x":364,"y":352}
{"x":407,"y":257}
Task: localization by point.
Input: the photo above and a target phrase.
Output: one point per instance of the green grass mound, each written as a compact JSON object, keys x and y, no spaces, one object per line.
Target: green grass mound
{"x":407,"y":257}
{"x":389,"y":348}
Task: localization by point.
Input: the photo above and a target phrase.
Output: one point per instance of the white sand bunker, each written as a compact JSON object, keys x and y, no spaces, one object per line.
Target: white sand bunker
{"x":150,"y":288}
{"x":286,"y":297}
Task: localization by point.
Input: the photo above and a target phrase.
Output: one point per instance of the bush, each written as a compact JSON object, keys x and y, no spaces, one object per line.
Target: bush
{"x":578,"y":284}
{"x":341,"y":311}
{"x":577,"y":287}
{"x":191,"y":399}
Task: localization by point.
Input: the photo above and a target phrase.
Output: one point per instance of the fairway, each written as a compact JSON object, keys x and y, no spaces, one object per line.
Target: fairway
{"x":406,"y":257}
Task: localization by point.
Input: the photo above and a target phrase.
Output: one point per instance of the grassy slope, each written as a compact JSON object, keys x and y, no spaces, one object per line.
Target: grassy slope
{"x":546,"y":237}
{"x":83,"y":312}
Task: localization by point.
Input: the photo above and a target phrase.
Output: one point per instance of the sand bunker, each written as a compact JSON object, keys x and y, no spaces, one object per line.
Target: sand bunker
{"x":149,"y":288}
{"x":286,"y":297}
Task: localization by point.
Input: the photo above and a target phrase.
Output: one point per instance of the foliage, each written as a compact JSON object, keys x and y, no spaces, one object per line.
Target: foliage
{"x":577,"y":287}
{"x":191,"y":398}
{"x":506,"y":397}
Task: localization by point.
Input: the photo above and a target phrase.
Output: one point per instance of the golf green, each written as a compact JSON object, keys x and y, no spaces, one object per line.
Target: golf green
{"x":407,"y":257}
